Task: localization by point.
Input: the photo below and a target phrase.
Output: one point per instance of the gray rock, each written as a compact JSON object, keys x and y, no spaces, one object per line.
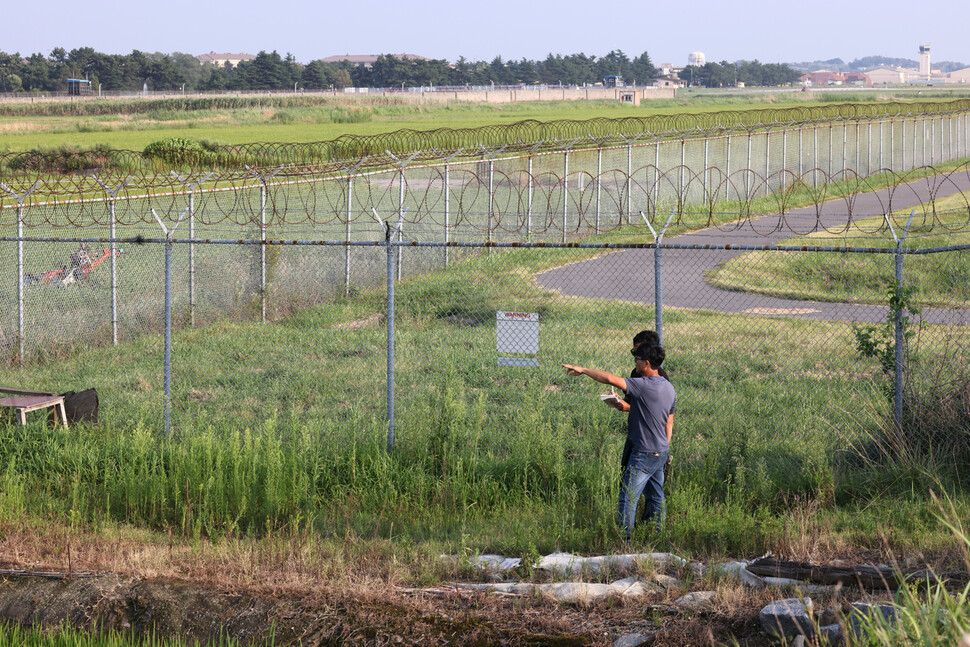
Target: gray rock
{"x":666,"y":581}
{"x":797,"y":641}
{"x":696,"y":569}
{"x":739,"y":569}
{"x":632,"y":640}
{"x":788,"y":618}
{"x":863,"y":613}
{"x":832,"y":633}
{"x":696,"y":599}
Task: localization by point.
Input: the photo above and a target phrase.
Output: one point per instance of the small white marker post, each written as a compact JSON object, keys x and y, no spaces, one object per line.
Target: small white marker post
{"x":517,"y":332}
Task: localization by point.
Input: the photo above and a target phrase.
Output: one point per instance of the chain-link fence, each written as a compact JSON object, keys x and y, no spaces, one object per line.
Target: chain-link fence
{"x":405,"y":293}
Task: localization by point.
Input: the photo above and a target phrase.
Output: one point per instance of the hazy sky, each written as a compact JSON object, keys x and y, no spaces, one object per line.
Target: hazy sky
{"x":772,"y":32}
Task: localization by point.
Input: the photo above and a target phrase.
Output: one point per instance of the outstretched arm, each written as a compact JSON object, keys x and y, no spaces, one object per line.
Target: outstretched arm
{"x":600,"y":376}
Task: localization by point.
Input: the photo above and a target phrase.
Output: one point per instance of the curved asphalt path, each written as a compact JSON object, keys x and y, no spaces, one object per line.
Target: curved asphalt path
{"x":628,"y":275}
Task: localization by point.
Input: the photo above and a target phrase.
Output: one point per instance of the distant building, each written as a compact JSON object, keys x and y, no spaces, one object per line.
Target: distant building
{"x":959,"y":76}
{"x":821,"y":77}
{"x":668,"y":81}
{"x":892,"y":75}
{"x":222,"y":59}
{"x":697,"y":59}
{"x":828,"y":77}
{"x":857,"y":78}
{"x":78,"y":87}
{"x":368,"y":60}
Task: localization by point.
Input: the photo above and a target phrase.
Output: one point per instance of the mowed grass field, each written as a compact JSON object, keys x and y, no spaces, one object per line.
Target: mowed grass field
{"x":327,"y":117}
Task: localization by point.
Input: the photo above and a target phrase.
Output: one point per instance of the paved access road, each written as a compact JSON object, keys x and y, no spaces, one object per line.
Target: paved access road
{"x":628,"y":275}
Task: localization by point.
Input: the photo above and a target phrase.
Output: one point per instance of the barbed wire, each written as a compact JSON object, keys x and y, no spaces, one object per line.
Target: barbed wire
{"x":578,"y":187}
{"x":386,"y":149}
{"x":506,"y":202}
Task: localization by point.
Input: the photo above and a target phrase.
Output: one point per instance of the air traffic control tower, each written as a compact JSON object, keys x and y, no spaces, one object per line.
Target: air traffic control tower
{"x":924,"y":62}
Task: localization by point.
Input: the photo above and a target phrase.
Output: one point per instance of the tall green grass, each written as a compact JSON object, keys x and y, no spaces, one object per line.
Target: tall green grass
{"x":283,"y":425}
{"x":13,"y":635}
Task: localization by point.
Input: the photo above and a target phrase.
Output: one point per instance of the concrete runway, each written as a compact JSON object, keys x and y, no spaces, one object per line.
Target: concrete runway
{"x":628,"y":275}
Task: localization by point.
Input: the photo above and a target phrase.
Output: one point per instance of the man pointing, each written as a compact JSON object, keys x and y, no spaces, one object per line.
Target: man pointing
{"x":651,"y":422}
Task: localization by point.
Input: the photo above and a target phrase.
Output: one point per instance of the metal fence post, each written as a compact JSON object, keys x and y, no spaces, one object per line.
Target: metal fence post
{"x":167,"y":362}
{"x":599,"y":183}
{"x":899,"y":337}
{"x":629,"y":183}
{"x":923,"y":123}
{"x":390,"y":337}
{"x":916,"y":140}
{"x":845,"y":134}
{"x":447,"y":212}
{"x":565,"y":191}
{"x":168,"y":336}
{"x":20,"y":283}
{"x":262,"y":251}
{"x":892,"y":144}
{"x":114,"y":277}
{"x":263,"y":188}
{"x":681,"y":197}
{"x":192,"y":189}
{"x":767,"y":158}
{"x":831,"y":155}
{"x":856,"y":167}
{"x":658,"y":273}
{"x":400,"y":211}
{"x":389,"y":233}
{"x":705,"y":178}
{"x":899,"y":321}
{"x":528,"y":211}
{"x":349,"y":216}
{"x":491,"y":198}
{"x":747,"y":172}
{"x":21,"y":330}
{"x":882,"y":162}
{"x":869,"y":147}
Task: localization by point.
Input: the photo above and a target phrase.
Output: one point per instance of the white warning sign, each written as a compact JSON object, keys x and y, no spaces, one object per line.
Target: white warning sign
{"x":517,"y":332}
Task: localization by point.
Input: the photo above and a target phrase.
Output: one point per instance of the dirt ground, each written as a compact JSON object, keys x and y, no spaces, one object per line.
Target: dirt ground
{"x":439,"y":616}
{"x":299,"y":590}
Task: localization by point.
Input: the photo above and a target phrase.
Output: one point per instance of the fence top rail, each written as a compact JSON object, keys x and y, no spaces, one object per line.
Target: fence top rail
{"x":381,"y":242}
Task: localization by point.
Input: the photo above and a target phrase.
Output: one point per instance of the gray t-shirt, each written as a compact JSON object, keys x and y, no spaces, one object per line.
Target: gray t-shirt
{"x":651,"y":399}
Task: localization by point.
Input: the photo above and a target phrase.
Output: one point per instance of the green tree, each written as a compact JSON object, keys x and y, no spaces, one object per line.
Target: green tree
{"x":642,"y":71}
{"x":317,"y":75}
{"x":35,"y":78}
{"x":341,"y":79}
{"x":615,"y":63}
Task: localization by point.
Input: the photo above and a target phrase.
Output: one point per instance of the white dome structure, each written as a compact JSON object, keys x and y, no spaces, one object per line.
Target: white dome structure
{"x":697,"y":59}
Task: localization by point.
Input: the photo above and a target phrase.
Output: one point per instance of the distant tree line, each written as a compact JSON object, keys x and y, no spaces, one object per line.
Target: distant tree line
{"x":750,"y":73}
{"x":270,"y":71}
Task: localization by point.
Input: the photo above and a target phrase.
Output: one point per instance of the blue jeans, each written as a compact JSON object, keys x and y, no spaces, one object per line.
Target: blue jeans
{"x":644,"y":474}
